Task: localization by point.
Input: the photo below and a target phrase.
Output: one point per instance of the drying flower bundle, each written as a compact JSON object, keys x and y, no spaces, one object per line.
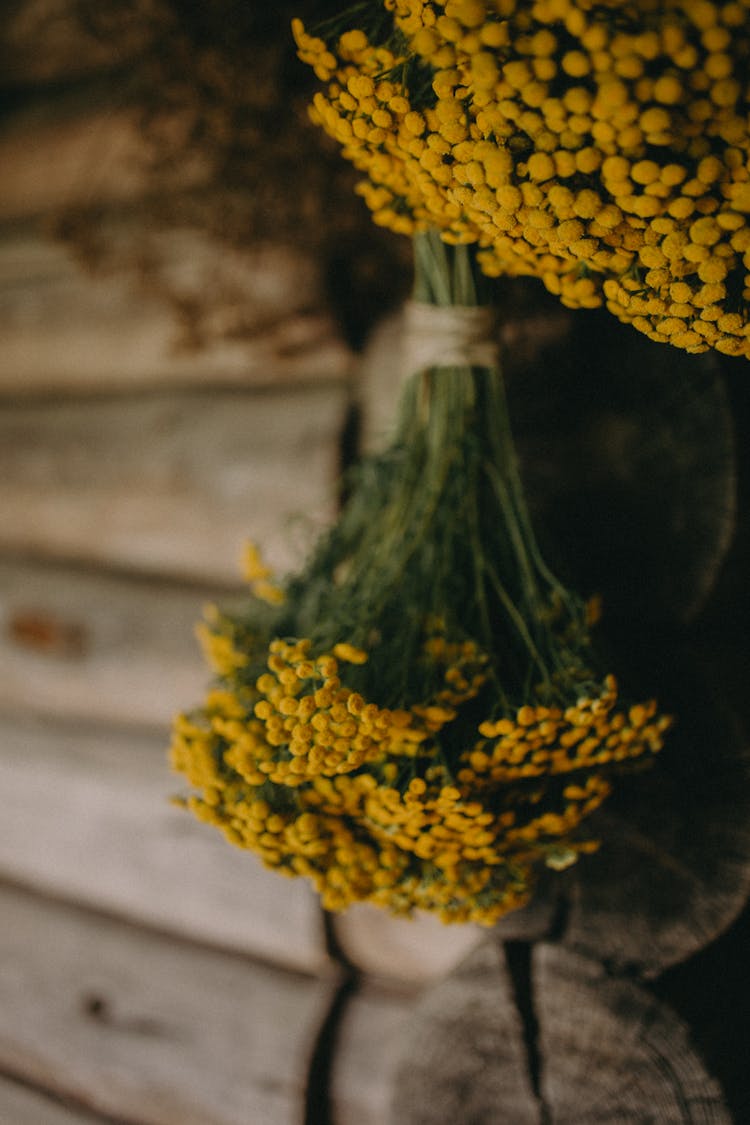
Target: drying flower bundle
{"x":600,"y":145}
{"x":417,"y":719}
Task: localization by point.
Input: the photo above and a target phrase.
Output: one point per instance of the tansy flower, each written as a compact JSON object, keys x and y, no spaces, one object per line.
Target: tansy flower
{"x":604,"y":149}
{"x":421,"y":723}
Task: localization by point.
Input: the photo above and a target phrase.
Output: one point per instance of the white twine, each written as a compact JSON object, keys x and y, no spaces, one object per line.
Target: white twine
{"x":448,"y":336}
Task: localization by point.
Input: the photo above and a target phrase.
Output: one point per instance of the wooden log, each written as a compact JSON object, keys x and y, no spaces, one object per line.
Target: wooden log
{"x":148,"y":1029}
{"x":627,"y":452}
{"x":610,"y":1051}
{"x":463,"y":1058}
{"x":64,"y":330}
{"x":87,"y":815}
{"x":100,"y":646}
{"x":368,"y":1047}
{"x":673,"y":871}
{"x":568,"y":1044}
{"x":170,"y":484}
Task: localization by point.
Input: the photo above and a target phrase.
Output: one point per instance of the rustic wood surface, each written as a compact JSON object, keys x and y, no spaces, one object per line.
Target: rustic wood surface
{"x":149,"y":1029}
{"x":610,"y":1051}
{"x":97,"y":645}
{"x":370,"y":1044}
{"x":149,"y":973}
{"x":675,"y":860}
{"x":554,"y":1039}
{"x":64,"y":330}
{"x":463,"y":1056}
{"x":97,"y":155}
{"x":172,"y":484}
{"x":73,"y":793}
{"x":23,"y":1106}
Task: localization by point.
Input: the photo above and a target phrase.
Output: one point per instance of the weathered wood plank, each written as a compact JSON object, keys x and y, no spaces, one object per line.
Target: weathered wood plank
{"x":65,"y":330}
{"x":20,"y":1105}
{"x":87,"y":815}
{"x":673,"y":871}
{"x":99,"y":646}
{"x":149,"y":1029}
{"x":170,"y":484}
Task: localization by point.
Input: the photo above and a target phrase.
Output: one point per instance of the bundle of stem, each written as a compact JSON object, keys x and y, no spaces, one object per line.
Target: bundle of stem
{"x":421,"y":721}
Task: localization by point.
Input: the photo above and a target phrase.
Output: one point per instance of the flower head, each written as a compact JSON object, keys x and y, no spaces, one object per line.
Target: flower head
{"x":604,"y":148}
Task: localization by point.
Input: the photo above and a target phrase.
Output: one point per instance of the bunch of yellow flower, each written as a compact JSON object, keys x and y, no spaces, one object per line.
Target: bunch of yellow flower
{"x":381,"y":805}
{"x":416,"y":720}
{"x":600,"y":145}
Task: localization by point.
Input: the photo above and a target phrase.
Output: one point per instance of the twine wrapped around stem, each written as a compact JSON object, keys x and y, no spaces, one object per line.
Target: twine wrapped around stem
{"x":448,"y":336}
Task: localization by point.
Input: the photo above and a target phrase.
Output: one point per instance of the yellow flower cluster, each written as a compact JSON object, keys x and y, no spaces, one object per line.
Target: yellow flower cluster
{"x":258,"y":575}
{"x":600,"y":145}
{"x":310,"y":725}
{"x":362,"y":799}
{"x":550,"y":740}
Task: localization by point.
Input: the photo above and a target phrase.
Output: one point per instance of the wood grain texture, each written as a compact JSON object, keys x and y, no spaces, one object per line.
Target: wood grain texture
{"x":611,"y":1052}
{"x":568,"y":1045}
{"x":150,"y":1029}
{"x":63,"y":329}
{"x":96,"y":156}
{"x":87,"y":816}
{"x":463,"y":1059}
{"x":98,"y":646}
{"x":171,"y":484}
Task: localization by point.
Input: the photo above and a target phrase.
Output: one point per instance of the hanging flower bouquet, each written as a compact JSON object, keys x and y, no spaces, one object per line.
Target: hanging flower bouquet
{"x":418,"y":719}
{"x":600,"y":146}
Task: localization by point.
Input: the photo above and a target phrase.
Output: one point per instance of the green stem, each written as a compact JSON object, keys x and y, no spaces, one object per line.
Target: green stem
{"x":444,"y":276}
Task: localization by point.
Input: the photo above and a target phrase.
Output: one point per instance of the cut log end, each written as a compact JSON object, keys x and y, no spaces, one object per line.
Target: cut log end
{"x":569,"y":1045}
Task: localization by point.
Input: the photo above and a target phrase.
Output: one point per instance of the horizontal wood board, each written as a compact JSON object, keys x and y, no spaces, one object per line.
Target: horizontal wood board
{"x":148,"y":1029}
{"x":22,"y":1105}
{"x":96,"y":645}
{"x":66,"y":330}
{"x":170,"y":484}
{"x":87,"y":816}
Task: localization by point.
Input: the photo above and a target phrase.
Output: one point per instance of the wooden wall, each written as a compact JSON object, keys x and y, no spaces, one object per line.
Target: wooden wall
{"x":150,"y":974}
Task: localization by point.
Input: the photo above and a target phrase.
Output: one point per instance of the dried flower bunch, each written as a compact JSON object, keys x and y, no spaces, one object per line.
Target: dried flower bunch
{"x":600,"y":145}
{"x":418,"y":718}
